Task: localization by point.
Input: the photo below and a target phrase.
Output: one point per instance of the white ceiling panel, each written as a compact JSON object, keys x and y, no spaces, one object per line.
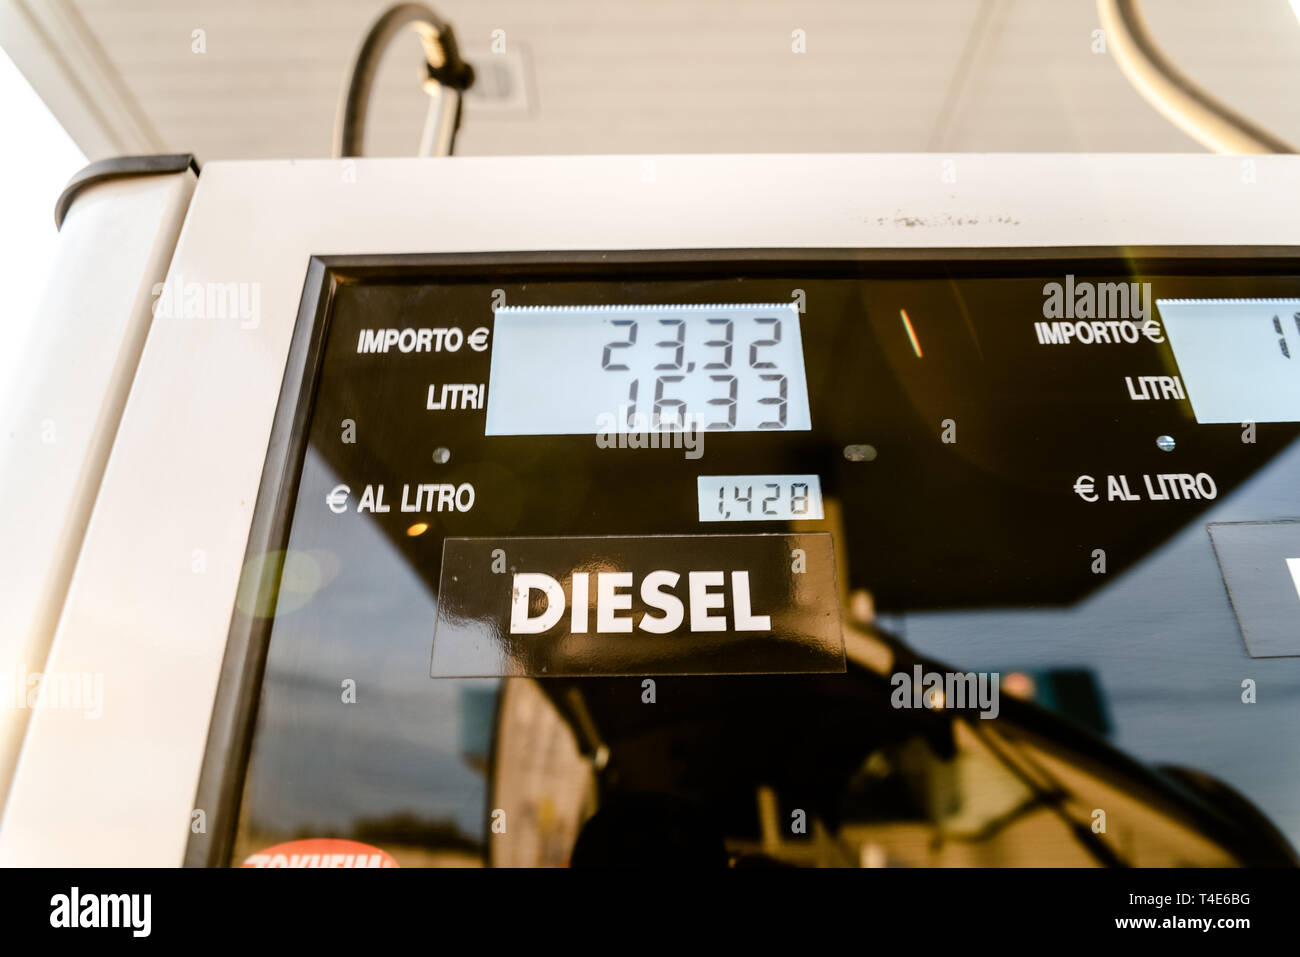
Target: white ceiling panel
{"x":685,"y":75}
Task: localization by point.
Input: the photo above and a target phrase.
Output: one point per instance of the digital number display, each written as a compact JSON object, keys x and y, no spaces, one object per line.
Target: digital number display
{"x":574,"y":370}
{"x":1239,"y":358}
{"x":759,"y":498}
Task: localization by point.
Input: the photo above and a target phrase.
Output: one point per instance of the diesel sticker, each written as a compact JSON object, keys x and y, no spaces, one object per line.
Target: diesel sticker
{"x":638,"y":605}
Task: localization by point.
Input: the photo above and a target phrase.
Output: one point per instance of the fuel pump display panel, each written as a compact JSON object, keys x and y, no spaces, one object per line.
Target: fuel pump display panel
{"x":788,"y":447}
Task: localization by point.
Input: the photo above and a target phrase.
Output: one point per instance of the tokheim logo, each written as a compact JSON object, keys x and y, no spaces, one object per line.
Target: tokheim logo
{"x":321,"y":852}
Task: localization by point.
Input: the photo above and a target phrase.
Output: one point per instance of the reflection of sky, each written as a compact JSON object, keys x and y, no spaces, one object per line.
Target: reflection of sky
{"x":320,"y":762}
{"x":1164,"y":644}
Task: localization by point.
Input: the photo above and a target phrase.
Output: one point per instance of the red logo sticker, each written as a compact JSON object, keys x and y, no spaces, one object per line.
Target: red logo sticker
{"x":321,"y":852}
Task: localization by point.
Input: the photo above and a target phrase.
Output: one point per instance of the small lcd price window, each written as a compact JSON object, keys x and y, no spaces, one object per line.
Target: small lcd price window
{"x":586,"y":370}
{"x":759,"y":498}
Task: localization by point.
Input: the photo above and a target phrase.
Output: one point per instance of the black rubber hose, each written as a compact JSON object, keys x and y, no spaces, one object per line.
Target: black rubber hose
{"x":445,"y":67}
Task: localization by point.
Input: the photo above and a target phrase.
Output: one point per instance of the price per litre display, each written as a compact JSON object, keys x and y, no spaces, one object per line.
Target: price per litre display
{"x":759,"y":498}
{"x":585,"y":370}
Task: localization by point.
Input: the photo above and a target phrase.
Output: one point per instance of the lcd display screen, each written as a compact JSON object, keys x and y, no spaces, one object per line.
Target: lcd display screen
{"x":759,"y":498}
{"x":1239,"y":358}
{"x":584,"y":370}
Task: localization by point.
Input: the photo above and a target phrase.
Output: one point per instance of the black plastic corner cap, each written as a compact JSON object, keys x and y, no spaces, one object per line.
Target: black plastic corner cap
{"x":120,"y":167}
